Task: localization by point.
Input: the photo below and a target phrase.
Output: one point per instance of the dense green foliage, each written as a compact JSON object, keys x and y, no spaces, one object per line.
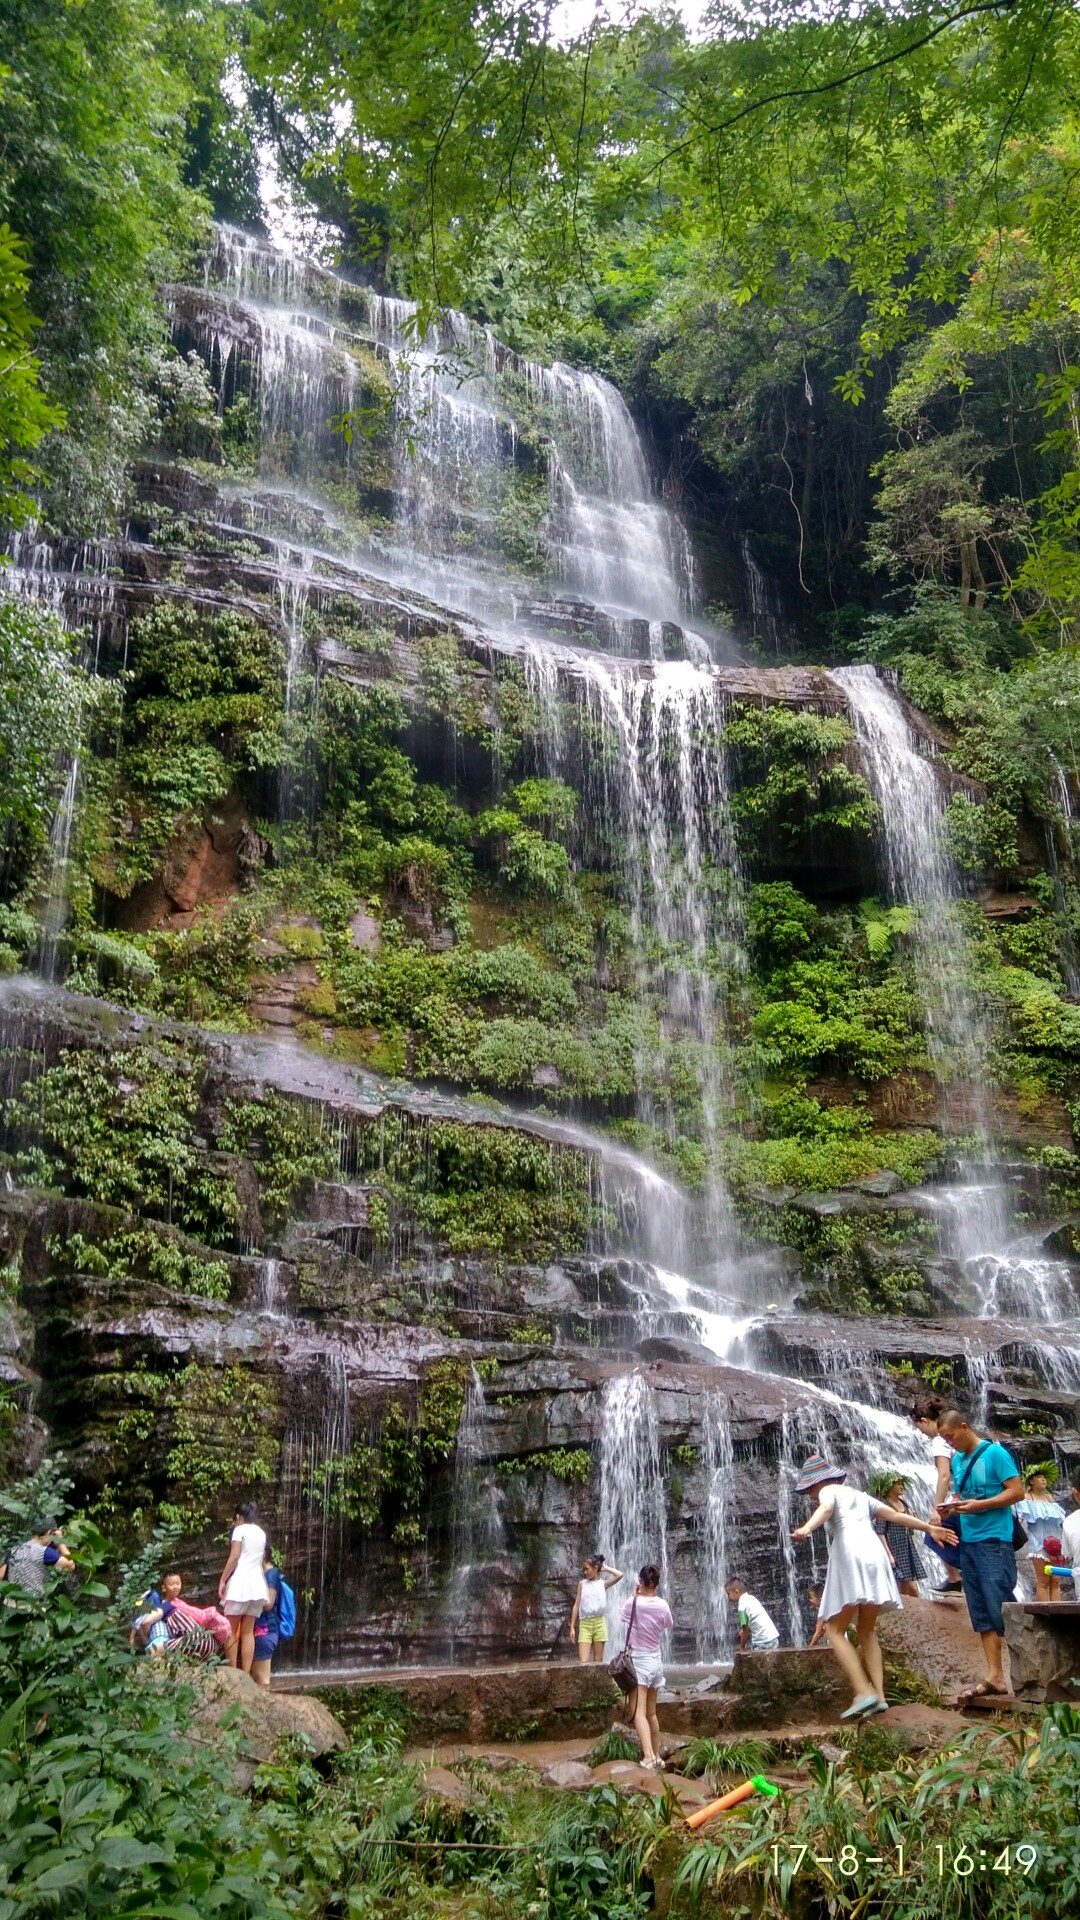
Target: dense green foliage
{"x":43,"y":697}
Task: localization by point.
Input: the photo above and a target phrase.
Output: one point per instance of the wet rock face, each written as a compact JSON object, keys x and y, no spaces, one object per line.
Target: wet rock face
{"x":1044,"y":1653}
{"x":424,"y":1330}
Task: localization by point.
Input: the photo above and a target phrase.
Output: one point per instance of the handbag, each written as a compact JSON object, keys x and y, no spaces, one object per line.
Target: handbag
{"x":1019,"y":1531}
{"x":622,"y":1669}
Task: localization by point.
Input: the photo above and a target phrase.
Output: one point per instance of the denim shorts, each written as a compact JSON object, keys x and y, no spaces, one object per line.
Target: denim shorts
{"x":648,"y":1666}
{"x":988,"y":1569}
{"x":266,"y":1644}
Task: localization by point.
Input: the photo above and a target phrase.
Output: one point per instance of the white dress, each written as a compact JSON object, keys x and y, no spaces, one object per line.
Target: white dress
{"x":247,"y":1581}
{"x":859,"y":1570}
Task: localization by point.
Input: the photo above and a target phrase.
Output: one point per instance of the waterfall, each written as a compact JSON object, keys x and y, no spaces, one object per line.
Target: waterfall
{"x":53,"y":914}
{"x":476,"y":1520}
{"x":662,"y":779}
{"x":632,"y":1520}
{"x":766,"y":611}
{"x":922,"y":875}
{"x":458,"y":405}
{"x":716,"y":1626}
{"x":269,"y":1293}
{"x":311,"y":1511}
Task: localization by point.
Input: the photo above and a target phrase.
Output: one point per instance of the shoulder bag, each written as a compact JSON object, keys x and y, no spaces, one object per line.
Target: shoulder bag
{"x":622,"y":1669}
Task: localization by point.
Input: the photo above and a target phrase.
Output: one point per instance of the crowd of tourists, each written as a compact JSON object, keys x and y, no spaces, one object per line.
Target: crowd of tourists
{"x":998,"y":1535}
{"x":256,"y":1608}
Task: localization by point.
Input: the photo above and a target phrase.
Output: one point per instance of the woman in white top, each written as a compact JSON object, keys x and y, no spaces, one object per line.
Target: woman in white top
{"x":926,"y":1415}
{"x":242,"y":1589}
{"x":860,"y":1582}
{"x":588,"y":1615}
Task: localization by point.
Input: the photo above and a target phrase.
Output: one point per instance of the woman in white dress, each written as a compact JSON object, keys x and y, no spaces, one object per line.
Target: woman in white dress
{"x":242,"y":1589}
{"x":860,"y":1583}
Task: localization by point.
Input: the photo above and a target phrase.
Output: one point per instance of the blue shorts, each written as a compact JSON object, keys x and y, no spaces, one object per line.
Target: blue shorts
{"x":988,"y":1568}
{"x":266,"y":1645}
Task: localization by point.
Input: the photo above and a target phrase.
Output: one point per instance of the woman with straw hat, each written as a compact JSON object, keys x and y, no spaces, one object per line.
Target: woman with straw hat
{"x":860,"y":1582}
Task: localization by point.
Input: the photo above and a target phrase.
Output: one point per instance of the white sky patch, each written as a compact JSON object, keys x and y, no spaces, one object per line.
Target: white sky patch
{"x":573,"y":17}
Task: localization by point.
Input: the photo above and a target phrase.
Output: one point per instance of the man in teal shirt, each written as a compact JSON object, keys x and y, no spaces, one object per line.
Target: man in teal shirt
{"x":985,"y":1484}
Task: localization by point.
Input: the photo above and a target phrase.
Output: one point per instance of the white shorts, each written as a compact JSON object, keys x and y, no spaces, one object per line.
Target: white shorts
{"x":648,"y":1666}
{"x":243,"y":1609}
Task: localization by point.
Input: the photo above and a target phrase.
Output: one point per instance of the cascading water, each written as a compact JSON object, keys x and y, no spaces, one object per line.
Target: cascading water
{"x":632,"y":1516}
{"x":716,"y":1628}
{"x":477,"y":1521}
{"x":519,"y":494}
{"x":922,"y":876}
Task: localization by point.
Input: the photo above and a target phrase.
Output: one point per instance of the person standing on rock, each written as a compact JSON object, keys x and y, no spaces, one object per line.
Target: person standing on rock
{"x":1040,"y":1514}
{"x":986,"y":1485}
{"x":647,"y":1618}
{"x":860,"y":1583}
{"x":242,"y":1589}
{"x":888,"y":1485}
{"x":927,"y":1414}
{"x":588,"y":1615}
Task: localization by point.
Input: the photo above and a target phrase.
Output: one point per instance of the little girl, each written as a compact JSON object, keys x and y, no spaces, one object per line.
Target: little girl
{"x":588,"y":1616}
{"x":1042,"y":1516}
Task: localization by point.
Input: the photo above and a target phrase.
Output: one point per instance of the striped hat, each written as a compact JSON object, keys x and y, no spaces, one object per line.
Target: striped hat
{"x":818,"y":1472}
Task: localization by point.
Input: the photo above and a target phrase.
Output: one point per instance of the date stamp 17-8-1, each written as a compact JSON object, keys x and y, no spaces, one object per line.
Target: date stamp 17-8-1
{"x":940,"y":1863}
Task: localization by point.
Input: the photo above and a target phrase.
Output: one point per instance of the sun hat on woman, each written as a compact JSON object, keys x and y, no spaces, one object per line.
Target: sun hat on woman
{"x":817,"y":1471}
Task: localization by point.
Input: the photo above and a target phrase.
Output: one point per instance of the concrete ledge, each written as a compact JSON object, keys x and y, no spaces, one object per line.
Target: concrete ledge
{"x":543,"y":1700}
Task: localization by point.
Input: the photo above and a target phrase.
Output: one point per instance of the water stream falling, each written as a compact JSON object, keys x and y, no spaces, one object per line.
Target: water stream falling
{"x":716,"y":1627}
{"x":923,"y":876}
{"x":632,"y":1511}
{"x":514,"y":500}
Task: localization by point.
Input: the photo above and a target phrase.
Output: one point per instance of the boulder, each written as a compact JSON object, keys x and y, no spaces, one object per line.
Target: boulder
{"x":880,"y":1186}
{"x":261,"y":1718}
{"x":568,"y":1773}
{"x":781,"y":1689}
{"x":441,"y":1784}
{"x":1044,"y":1651}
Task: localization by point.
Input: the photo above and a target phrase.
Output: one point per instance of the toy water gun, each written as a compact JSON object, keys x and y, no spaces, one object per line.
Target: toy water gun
{"x":757,"y":1785}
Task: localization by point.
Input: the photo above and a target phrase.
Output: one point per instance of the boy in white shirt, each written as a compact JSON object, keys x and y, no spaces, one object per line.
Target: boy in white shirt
{"x":757,"y":1628}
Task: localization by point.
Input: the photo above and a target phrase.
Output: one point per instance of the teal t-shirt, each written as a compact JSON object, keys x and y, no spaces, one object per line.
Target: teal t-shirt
{"x":987,"y":1476}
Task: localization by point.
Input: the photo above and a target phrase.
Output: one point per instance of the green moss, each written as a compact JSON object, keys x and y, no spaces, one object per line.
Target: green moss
{"x":141,"y":1250}
{"x":121,"y":1129}
{"x":286,"y":1143}
{"x":570,"y":1464}
{"x":210,"y":1431}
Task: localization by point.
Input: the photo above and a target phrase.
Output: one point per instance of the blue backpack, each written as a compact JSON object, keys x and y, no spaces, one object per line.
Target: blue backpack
{"x":286,"y":1609}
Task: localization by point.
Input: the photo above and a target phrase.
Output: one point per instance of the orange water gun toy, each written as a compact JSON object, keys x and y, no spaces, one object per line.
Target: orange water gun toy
{"x":758,"y":1784}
